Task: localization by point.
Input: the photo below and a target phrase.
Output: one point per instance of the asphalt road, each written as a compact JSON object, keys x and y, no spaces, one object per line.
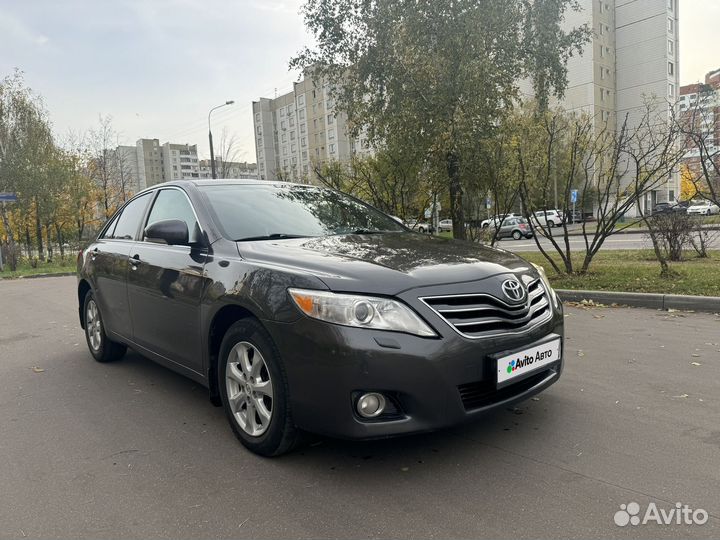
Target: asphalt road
{"x":130,"y":450}
{"x":617,"y":241}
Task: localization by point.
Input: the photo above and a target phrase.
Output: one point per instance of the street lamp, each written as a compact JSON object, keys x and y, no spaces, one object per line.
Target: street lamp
{"x":212,"y":150}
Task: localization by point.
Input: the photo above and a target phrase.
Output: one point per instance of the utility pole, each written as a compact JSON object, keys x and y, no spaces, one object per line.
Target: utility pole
{"x":212,"y":150}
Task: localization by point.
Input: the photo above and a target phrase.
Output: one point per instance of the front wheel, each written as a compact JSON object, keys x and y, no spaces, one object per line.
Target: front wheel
{"x":101,"y":347}
{"x":254,"y":390}
{"x":517,"y":235}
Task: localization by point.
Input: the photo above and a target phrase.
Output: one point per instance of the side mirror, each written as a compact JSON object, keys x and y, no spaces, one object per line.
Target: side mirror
{"x":172,"y":231}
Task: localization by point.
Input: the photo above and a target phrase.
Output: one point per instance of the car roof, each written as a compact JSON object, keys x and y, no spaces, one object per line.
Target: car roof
{"x":224,"y":182}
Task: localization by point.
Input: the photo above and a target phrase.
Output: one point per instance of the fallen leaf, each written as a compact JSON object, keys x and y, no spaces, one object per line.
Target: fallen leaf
{"x":404,"y":469}
{"x":37,"y":369}
{"x":695,"y":363}
{"x":536,"y":399}
{"x":682,"y":396}
{"x":695,"y":355}
{"x":580,"y":353}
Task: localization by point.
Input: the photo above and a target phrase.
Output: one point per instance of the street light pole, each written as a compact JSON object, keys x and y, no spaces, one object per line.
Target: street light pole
{"x":212,"y":150}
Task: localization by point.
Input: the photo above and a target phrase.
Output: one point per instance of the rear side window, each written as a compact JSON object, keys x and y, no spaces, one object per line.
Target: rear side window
{"x":173,"y":204}
{"x":129,"y":220}
{"x":110,"y":228}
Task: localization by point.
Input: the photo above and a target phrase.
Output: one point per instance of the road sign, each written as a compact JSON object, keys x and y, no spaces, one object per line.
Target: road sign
{"x":573,"y":196}
{"x":428,"y":213}
{"x":488,"y":202}
{"x":8,"y":197}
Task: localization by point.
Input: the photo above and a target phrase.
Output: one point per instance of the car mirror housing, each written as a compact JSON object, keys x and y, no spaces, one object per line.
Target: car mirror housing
{"x":172,"y":231}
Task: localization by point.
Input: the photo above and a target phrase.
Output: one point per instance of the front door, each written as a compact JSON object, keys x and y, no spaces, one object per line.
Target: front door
{"x":109,"y":260}
{"x":165,"y":287}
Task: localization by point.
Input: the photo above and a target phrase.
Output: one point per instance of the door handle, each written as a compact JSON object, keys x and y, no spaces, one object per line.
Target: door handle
{"x":135,"y":261}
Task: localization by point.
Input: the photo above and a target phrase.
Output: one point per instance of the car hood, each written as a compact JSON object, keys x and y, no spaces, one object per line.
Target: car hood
{"x":384,"y":263}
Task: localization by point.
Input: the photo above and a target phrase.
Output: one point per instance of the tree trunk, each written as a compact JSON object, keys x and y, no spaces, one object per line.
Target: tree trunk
{"x":28,"y":242}
{"x":58,"y":234}
{"x":11,"y":251}
{"x":38,"y":233}
{"x":49,"y":242}
{"x":457,"y":213}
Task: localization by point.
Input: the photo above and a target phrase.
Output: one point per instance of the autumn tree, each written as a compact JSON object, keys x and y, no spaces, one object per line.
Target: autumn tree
{"x":438,"y":74}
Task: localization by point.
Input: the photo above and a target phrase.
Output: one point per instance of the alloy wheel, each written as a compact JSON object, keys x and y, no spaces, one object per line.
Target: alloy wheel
{"x":249,"y":388}
{"x":93,"y":325}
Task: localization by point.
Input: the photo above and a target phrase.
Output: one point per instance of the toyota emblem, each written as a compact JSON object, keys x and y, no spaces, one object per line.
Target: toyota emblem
{"x":513,"y":289}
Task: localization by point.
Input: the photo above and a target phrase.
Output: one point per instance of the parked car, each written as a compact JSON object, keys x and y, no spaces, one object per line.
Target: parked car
{"x":445,"y":225}
{"x":662,"y":208}
{"x":304,"y":309}
{"x":704,"y":208}
{"x":419,"y":226}
{"x":517,"y":228}
{"x":548,"y":218}
{"x":496,"y":220}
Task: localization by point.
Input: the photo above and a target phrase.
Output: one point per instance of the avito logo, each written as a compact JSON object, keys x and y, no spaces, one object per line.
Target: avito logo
{"x":527,"y":360}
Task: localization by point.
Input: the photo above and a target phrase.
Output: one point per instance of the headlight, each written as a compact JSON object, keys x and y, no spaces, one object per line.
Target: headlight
{"x":546,"y":283}
{"x":360,"y":311}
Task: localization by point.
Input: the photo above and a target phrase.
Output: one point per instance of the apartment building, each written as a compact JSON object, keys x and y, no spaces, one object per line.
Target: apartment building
{"x":229,"y":169}
{"x":301,"y":130}
{"x":180,"y":161}
{"x":700,"y":109}
{"x":633,"y":55}
{"x":150,"y":162}
{"x":128,"y":169}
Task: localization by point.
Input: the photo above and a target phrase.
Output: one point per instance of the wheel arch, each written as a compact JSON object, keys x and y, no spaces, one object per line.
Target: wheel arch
{"x":222,"y":320}
{"x":83,"y":288}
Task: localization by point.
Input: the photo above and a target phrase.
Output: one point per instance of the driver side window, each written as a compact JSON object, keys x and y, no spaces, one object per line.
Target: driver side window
{"x":174,"y":204}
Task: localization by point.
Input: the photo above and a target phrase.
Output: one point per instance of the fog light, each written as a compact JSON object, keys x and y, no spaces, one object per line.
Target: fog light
{"x":371,"y":405}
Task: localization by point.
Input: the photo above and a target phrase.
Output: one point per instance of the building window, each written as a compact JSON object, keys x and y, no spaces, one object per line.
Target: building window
{"x":282,"y":111}
{"x":283,"y":125}
{"x":304,"y":154}
{"x":330,"y":118}
{"x":332,"y":148}
{"x":303,"y":141}
{"x":293,"y":148}
{"x":292,"y":122}
{"x":671,"y":90}
{"x":284,"y":137}
{"x":301,"y":100}
{"x":331,"y":134}
{"x":257,"y":116}
{"x":292,"y":135}
{"x":302,"y":128}
{"x":671,"y":47}
{"x":671,"y":25}
{"x":315,"y":123}
{"x":670,"y":4}
{"x":601,"y":29}
{"x":301,"y":114}
{"x":671,"y":68}
{"x":602,"y":51}
{"x":284,"y":150}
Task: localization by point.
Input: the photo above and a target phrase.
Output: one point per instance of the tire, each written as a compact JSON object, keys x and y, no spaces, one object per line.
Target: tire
{"x":102,"y":348}
{"x":551,"y":223}
{"x":246,"y":395}
{"x":517,"y":235}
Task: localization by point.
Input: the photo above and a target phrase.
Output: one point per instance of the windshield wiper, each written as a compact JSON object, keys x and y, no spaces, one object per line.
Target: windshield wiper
{"x":364,"y":231}
{"x":274,"y":236}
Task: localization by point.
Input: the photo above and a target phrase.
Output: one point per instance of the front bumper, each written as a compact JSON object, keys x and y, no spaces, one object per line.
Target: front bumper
{"x":434,"y":383}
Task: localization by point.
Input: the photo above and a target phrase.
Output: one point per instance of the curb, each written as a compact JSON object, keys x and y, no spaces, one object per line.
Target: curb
{"x":629,"y":230}
{"x":708,"y":304}
{"x":33,"y":276}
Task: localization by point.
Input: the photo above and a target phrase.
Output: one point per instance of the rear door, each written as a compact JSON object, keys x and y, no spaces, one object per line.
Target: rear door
{"x":165,"y":286}
{"x":109,"y":265}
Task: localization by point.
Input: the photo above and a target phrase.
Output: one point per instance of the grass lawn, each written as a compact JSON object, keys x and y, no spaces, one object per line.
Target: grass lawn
{"x":638,"y":271}
{"x":24,"y":268}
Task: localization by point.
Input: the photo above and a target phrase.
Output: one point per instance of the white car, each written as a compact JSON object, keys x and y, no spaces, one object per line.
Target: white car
{"x":704,"y":208}
{"x":418,"y":226}
{"x":496,"y":220}
{"x":549,"y":218}
{"x":445,"y":225}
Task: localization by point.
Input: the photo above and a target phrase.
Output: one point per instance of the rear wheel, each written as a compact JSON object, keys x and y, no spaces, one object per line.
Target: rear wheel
{"x":254,"y":391}
{"x":101,"y":347}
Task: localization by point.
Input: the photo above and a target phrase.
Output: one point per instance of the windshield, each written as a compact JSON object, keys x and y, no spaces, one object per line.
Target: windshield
{"x":256,"y":212}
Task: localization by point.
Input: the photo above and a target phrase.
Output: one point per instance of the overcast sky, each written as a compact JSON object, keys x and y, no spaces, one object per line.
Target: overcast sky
{"x":157,"y":66}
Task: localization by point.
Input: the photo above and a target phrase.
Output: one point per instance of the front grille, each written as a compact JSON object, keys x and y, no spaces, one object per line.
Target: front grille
{"x":483,"y":393}
{"x":481,"y":315}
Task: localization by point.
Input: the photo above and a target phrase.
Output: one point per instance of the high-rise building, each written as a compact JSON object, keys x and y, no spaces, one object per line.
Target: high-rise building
{"x":700,"y":112}
{"x":301,"y":130}
{"x":632,"y":56}
{"x":180,"y":161}
{"x":150,"y":163}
